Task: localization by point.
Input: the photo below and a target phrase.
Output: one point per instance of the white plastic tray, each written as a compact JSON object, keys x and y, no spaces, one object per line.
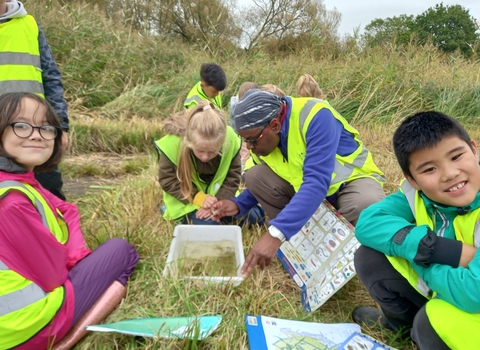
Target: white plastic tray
{"x":205,"y":233}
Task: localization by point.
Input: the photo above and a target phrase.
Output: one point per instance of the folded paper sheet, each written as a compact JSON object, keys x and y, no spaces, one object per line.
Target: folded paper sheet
{"x":169,"y":327}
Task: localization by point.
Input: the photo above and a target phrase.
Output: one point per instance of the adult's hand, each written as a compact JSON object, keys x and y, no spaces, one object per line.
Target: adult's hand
{"x":224,"y":207}
{"x":261,"y":254}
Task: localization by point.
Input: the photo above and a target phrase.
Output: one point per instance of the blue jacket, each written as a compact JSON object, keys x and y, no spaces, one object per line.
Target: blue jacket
{"x":326,"y":137}
{"x":389,"y":227}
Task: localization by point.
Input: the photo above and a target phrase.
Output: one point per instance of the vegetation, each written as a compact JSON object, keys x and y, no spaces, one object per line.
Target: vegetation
{"x":449,"y":28}
{"x":121,"y":82}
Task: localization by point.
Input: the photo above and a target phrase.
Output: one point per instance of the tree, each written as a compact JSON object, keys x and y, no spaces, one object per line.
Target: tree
{"x":279,"y":23}
{"x":449,"y":28}
{"x":390,"y":30}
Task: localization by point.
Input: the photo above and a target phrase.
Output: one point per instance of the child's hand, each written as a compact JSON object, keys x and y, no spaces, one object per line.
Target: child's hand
{"x":203,"y":213}
{"x":209,"y":201}
{"x":468,"y":252}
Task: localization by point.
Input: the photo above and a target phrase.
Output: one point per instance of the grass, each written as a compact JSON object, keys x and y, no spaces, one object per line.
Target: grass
{"x":120,"y":85}
{"x":131,"y":210}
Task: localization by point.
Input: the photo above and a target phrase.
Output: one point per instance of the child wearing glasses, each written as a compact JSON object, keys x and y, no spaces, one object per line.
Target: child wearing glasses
{"x":52,"y":284}
{"x":28,"y":65}
{"x":304,"y":151}
{"x":200,"y":164}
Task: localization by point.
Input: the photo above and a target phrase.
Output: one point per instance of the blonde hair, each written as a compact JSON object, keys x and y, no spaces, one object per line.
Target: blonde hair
{"x":205,"y":126}
{"x":308,"y":87}
{"x":248,"y":85}
{"x":273,"y":88}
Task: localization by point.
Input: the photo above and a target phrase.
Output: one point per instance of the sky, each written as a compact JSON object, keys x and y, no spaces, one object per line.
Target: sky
{"x":357,"y":13}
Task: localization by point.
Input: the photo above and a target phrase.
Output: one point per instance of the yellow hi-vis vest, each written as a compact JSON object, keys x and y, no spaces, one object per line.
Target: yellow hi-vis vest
{"x":357,"y":165}
{"x":170,"y":145}
{"x":196,"y":95}
{"x":20,"y":69}
{"x":457,"y":328}
{"x":25,"y":308}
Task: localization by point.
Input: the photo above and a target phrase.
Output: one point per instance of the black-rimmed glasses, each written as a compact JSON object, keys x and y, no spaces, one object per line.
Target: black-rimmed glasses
{"x":25,"y":130}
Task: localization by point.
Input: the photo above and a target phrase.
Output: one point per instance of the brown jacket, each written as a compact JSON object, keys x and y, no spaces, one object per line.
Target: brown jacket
{"x":206,"y":171}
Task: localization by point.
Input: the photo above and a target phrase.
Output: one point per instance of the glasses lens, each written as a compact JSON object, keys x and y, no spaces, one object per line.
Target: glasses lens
{"x":48,"y":132}
{"x":22,"y":129}
{"x":252,"y":142}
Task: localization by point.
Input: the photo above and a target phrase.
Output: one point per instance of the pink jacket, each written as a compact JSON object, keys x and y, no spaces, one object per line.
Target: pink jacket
{"x":31,"y":250}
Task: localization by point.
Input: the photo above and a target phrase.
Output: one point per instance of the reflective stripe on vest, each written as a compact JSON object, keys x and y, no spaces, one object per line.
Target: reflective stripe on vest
{"x":195,"y":98}
{"x":20,"y":67}
{"x":457,"y":328}
{"x":357,"y":165}
{"x":197,"y":95}
{"x":21,"y":298}
{"x":461,"y":224}
{"x":343,"y":170}
{"x":402,"y":265}
{"x":25,"y":308}
{"x":20,"y":58}
{"x":170,"y":146}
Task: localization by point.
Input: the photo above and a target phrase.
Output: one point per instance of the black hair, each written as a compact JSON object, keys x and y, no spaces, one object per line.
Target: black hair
{"x":11,"y":106}
{"x":213,"y":75}
{"x":424,"y":130}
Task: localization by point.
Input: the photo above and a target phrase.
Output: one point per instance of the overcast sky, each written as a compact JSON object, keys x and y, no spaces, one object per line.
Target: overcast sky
{"x":360,"y":13}
{"x":357,"y":13}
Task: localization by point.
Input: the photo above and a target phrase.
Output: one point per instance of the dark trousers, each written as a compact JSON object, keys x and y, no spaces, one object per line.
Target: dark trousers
{"x":274,"y":193}
{"x":401,"y":304}
{"x":52,"y":181}
{"x":112,"y":261}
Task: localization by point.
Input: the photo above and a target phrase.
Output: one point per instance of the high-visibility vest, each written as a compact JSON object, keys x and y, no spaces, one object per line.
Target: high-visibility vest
{"x":357,"y":165}
{"x":457,"y":328}
{"x":196,"y":95}
{"x":170,"y":146}
{"x":25,"y":308}
{"x":20,"y":69}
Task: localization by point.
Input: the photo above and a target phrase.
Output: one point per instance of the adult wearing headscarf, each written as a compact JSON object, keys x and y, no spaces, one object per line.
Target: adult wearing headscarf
{"x":304,"y":152}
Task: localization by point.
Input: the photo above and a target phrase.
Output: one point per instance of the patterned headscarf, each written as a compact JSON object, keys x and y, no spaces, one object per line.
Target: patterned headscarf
{"x":256,"y":108}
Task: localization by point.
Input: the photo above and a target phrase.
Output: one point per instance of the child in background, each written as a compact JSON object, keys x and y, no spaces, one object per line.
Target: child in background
{"x":419,"y":257}
{"x":52,"y":285}
{"x":212,"y":82}
{"x":234,"y":99}
{"x":199,"y":164}
{"x":308,"y":87}
{"x":273,"y":88}
{"x":28,"y":66}
{"x":244,"y":152}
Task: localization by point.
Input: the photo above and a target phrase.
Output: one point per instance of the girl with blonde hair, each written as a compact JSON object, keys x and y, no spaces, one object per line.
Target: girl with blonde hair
{"x":308,"y":87}
{"x":200,"y":164}
{"x":273,"y":88}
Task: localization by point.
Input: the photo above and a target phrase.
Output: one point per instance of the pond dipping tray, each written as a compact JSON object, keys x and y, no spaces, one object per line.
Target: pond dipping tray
{"x":210,"y":253}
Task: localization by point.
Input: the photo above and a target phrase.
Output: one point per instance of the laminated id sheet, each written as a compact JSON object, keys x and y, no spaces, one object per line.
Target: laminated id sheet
{"x":320,"y":257}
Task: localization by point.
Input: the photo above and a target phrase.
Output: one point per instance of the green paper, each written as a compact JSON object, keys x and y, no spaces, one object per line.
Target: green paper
{"x":169,"y":327}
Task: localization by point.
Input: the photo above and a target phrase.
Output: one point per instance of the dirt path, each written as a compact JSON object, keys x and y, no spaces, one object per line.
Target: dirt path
{"x":77,"y":187}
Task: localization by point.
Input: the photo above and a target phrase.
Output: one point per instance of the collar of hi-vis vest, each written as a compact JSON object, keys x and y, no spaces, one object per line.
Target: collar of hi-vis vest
{"x":432,"y":205}
{"x":10,"y":166}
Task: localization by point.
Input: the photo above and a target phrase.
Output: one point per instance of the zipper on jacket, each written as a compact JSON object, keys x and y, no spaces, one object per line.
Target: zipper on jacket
{"x":434,"y":218}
